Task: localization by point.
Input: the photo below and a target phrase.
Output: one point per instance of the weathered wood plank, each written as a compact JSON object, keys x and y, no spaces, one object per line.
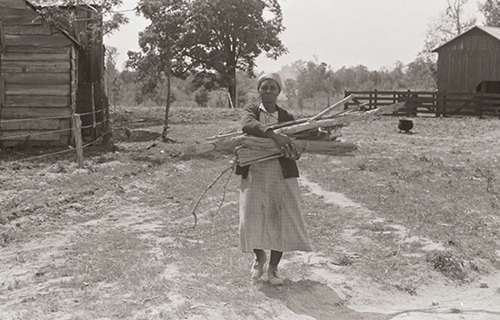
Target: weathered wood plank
{"x":12,"y":4}
{"x":20,"y":16}
{"x":21,"y":101}
{"x":32,"y":124}
{"x":29,"y":49}
{"x":34,"y":78}
{"x":32,"y":56}
{"x":2,"y":92}
{"x":31,"y":135}
{"x":37,"y":89}
{"x":2,"y":37}
{"x":45,"y":30}
{"x":54,"y":40}
{"x":35,"y":66}
{"x":28,"y":113}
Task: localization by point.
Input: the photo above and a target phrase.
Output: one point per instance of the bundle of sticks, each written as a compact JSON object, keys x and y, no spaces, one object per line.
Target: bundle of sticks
{"x":317,"y":135}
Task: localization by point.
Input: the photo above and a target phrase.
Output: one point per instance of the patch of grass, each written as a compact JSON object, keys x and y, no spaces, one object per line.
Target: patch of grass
{"x":446,"y":263}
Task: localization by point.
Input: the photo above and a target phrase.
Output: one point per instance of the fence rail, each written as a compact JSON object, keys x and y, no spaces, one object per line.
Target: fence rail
{"x":439,"y":103}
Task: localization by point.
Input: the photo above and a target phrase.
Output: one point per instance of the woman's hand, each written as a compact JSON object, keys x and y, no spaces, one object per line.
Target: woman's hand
{"x":284,"y":144}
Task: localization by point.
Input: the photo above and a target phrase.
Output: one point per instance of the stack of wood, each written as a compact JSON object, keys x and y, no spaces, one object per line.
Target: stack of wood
{"x":317,"y":135}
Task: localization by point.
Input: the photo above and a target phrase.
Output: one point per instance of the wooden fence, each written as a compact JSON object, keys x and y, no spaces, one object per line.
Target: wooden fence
{"x":438,"y":103}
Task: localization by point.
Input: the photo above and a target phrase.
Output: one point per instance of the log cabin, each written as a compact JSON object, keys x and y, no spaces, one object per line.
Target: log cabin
{"x":47,"y":74}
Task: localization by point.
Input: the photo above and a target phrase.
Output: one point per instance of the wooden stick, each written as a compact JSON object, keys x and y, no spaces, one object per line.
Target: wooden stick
{"x":254,"y":149}
{"x":77,"y":135}
{"x":345,"y":118}
{"x":193,"y":213}
{"x":331,"y":108}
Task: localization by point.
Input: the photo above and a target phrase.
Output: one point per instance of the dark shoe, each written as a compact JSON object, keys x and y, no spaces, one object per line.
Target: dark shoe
{"x":258,"y":266}
{"x":272,"y":276}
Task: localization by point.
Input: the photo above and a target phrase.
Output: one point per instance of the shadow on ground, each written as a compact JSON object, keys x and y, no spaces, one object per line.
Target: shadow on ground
{"x":316,"y":300}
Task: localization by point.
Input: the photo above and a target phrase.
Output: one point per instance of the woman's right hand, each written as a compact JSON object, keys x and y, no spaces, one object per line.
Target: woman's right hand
{"x":284,"y":144}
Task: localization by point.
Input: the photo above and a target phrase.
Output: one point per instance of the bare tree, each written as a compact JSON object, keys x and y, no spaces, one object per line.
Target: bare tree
{"x":451,"y":23}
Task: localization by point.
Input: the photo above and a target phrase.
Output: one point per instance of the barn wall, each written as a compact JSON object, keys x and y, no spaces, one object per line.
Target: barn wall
{"x":36,"y":64}
{"x":466,"y":61}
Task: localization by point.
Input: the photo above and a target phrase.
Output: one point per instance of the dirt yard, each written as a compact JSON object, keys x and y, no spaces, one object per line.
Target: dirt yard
{"x":407,"y":228}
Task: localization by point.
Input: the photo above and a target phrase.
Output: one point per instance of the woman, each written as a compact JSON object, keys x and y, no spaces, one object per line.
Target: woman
{"x":270,"y":217}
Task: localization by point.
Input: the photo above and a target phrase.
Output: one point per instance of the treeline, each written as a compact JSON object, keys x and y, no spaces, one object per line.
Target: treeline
{"x":307,"y":84}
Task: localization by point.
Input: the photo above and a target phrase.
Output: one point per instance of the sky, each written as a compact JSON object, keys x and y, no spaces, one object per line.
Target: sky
{"x":341,"y":33}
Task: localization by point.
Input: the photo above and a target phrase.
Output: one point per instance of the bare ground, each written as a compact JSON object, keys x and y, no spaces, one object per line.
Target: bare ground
{"x":114,"y":240}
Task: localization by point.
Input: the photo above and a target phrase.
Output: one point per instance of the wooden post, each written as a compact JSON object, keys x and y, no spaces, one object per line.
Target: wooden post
{"x":77,"y":134}
{"x":481,"y":99}
{"x":94,"y":119}
{"x":230,"y":101}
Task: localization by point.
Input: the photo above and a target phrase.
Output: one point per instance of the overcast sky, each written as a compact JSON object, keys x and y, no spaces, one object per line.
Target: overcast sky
{"x":374,"y":33}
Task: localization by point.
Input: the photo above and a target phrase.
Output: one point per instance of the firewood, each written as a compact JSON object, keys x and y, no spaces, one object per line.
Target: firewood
{"x":254,"y":149}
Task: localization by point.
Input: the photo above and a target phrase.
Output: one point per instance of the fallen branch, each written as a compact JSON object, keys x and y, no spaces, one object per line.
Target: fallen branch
{"x":193,"y":213}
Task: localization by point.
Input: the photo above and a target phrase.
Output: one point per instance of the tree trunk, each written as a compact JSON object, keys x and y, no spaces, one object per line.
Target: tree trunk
{"x":167,"y":108}
{"x":231,"y":87}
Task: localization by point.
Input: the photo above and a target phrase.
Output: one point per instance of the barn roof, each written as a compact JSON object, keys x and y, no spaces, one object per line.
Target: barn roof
{"x":492,"y":31}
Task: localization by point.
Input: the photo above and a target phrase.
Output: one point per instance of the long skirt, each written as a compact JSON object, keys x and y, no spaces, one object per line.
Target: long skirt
{"x":270,"y":217}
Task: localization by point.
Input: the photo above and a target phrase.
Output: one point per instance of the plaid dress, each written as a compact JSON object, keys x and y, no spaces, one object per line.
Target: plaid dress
{"x":270,"y":217}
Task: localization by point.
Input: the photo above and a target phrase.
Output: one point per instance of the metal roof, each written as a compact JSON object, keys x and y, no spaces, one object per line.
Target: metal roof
{"x":492,"y":31}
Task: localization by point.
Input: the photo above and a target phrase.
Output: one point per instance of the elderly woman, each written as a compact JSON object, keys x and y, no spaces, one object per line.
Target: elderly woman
{"x":270,"y":217}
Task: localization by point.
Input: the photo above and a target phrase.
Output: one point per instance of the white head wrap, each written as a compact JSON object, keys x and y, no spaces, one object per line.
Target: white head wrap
{"x":273,"y":76}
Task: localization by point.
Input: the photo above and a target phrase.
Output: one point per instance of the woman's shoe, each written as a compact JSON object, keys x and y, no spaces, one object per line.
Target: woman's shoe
{"x":272,"y":276}
{"x":257,"y":269}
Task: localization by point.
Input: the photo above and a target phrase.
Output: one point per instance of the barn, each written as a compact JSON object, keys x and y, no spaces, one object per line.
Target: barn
{"x":47,"y":74}
{"x":470,"y":62}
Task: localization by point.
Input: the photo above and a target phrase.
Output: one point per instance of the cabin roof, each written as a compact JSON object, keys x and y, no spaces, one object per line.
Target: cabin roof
{"x":492,"y":31}
{"x":60,"y":3}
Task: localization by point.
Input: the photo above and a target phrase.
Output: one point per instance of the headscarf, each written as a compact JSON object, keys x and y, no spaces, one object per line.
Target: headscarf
{"x":273,"y":76}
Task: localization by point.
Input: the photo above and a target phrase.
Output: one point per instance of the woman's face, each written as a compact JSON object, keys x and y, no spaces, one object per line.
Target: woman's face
{"x":269,"y":91}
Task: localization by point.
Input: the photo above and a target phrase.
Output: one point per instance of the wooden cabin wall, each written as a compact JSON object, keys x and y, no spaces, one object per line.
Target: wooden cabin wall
{"x":468,"y":60}
{"x":36,"y":64}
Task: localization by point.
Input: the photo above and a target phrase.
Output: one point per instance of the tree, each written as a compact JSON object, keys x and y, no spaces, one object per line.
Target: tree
{"x":421,"y":75}
{"x":491,"y":11}
{"x":106,"y":19}
{"x":111,"y":78}
{"x":226,"y":35}
{"x":450,"y":24}
{"x":163,"y":54}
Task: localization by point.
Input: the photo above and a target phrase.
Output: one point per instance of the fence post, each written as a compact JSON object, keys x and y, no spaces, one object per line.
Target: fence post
{"x":481,"y":99}
{"x":441,"y":103}
{"x":346,"y":94}
{"x":77,"y":134}
{"x":376,"y":99}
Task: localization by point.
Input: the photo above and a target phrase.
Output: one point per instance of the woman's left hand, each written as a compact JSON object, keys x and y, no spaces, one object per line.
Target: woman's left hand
{"x":284,"y":144}
{"x":290,"y":151}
